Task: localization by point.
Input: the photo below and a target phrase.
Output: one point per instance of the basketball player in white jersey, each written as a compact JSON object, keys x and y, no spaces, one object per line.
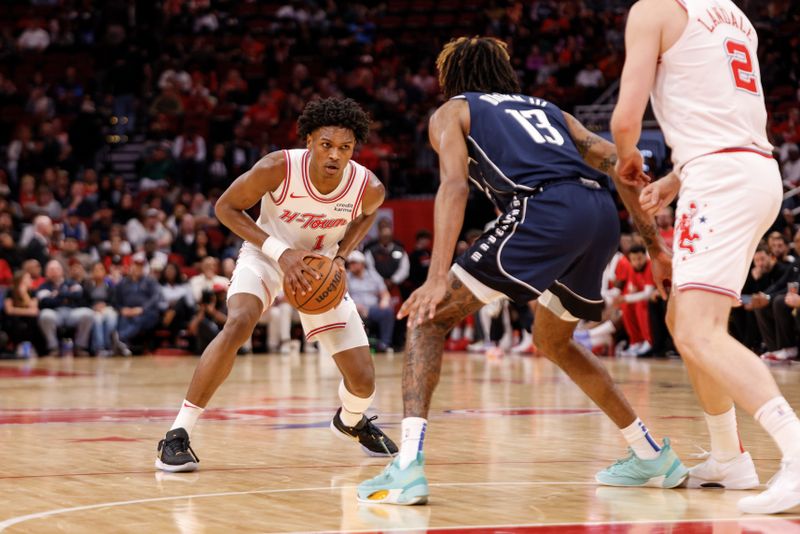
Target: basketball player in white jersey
{"x":314,"y":202}
{"x":696,"y":60}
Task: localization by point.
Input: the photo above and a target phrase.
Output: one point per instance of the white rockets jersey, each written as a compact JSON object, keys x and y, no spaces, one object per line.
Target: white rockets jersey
{"x":305,"y":219}
{"x":707,"y":95}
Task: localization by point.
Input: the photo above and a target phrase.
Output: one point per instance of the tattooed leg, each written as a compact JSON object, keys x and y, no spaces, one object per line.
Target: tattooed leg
{"x":425,"y":345}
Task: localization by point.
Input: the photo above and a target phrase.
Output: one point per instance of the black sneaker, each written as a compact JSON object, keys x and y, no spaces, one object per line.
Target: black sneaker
{"x":175,"y":455}
{"x":370,"y":437}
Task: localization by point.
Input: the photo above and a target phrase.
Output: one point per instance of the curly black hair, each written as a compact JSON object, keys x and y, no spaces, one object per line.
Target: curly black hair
{"x":479,"y":64}
{"x":340,"y":112}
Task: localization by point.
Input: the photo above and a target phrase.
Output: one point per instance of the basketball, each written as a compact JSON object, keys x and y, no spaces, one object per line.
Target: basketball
{"x":326,"y":293}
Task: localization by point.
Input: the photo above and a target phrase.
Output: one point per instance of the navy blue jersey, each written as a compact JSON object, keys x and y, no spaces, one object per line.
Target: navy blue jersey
{"x":516,"y":142}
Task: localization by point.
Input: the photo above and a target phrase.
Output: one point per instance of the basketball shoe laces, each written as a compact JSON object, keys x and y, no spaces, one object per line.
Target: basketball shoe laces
{"x":179,"y":445}
{"x":374,"y":433}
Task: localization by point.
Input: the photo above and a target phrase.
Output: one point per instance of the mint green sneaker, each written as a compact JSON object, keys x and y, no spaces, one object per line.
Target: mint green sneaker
{"x":397,"y":486}
{"x":666,"y":471}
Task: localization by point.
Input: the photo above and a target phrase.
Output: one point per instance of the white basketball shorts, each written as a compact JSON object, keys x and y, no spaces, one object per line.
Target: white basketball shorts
{"x":336,"y":330}
{"x":727,"y":202}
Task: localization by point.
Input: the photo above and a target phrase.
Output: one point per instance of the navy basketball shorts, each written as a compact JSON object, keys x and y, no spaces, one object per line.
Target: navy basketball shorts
{"x":553,"y":246}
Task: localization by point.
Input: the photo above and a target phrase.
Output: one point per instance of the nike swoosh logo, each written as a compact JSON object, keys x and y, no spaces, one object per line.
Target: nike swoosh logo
{"x":292,"y":195}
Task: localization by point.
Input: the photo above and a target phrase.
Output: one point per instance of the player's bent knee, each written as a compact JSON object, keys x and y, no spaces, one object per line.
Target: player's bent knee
{"x":361,"y":385}
{"x":239,"y":327}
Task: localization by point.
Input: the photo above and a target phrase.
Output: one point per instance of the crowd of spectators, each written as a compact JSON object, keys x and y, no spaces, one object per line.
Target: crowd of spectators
{"x":203,"y":88}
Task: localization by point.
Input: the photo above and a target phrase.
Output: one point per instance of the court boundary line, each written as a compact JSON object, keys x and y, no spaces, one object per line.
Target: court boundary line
{"x":564,"y":524}
{"x":59,"y":511}
{"x":6,"y":523}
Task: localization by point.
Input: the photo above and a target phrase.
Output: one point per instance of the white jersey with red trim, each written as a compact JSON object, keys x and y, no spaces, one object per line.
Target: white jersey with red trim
{"x":305,"y":219}
{"x":707,"y":95}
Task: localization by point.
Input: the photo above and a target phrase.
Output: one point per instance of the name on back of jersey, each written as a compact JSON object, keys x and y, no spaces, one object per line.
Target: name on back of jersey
{"x":718,"y":15}
{"x":498,"y":98}
{"x":312,"y":220}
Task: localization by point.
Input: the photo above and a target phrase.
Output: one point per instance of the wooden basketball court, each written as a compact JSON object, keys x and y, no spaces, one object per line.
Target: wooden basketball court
{"x":512,"y":447}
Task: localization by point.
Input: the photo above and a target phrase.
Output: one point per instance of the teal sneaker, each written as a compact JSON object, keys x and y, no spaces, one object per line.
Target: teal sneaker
{"x":397,"y":486}
{"x":666,"y":471}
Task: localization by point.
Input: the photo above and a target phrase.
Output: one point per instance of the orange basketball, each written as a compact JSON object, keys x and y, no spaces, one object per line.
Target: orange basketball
{"x":326,"y":293}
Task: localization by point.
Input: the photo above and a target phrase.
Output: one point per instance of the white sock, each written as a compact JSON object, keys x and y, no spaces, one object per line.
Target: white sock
{"x":640,"y":440}
{"x":780,"y":422}
{"x":353,"y":407}
{"x":725,"y":442}
{"x":187,"y":416}
{"x":413,"y":436}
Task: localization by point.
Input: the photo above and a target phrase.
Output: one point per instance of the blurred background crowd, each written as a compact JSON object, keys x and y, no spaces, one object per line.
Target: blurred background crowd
{"x":122,"y":121}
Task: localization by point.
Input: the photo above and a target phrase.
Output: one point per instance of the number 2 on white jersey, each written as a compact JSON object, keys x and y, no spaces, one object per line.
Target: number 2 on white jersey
{"x":551,"y":135}
{"x":741,"y":63}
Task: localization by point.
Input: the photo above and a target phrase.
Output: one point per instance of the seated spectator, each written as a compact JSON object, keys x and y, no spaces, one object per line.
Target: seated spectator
{"x":137,"y":298}
{"x":207,"y":278}
{"x":101,"y":297}
{"x":779,"y":247}
{"x":70,"y":252}
{"x":9,"y":252}
{"x":38,"y":248}
{"x":154,"y":258}
{"x":184,"y":242}
{"x":177,"y":302}
{"x":210,"y":317}
{"x":63,"y":304}
{"x":387,"y":256}
{"x":791,"y":168}
{"x":74,"y":227}
{"x":202,"y":246}
{"x":46,"y":204}
{"x":639,"y":287}
{"x":775,"y":317}
{"x":765,"y":272}
{"x":34,"y":268}
{"x":151,"y":227}
{"x":371,"y":297}
{"x":21,"y":312}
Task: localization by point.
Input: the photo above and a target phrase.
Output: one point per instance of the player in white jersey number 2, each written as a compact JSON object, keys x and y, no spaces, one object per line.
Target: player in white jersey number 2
{"x":313,"y":202}
{"x":697,"y":60}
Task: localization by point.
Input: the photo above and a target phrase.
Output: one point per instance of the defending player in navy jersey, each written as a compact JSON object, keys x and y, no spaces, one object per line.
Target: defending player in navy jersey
{"x":559,"y":228}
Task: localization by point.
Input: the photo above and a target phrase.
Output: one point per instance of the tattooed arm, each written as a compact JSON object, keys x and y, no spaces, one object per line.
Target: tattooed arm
{"x":602,"y":155}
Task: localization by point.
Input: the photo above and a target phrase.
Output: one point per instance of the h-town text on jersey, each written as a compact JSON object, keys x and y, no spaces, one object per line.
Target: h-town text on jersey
{"x":312,"y":220}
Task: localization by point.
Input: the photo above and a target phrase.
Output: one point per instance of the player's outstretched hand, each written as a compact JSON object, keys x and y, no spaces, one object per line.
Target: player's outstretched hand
{"x":293,"y":267}
{"x":659,"y":194}
{"x":421,"y":305}
{"x":631,"y":170}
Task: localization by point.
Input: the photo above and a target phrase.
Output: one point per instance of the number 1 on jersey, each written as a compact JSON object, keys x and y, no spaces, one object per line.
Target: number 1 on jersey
{"x":318,"y":245}
{"x":742,"y":66}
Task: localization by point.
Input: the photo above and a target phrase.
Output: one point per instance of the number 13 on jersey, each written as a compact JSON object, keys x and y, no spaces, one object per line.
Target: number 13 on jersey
{"x":540,"y":130}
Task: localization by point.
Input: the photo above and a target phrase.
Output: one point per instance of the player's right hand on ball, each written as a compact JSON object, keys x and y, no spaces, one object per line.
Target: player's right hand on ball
{"x":421,"y":305}
{"x":293,"y":267}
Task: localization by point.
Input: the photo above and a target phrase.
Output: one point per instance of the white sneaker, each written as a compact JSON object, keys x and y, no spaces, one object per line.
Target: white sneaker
{"x":737,"y":474}
{"x":632,"y":350}
{"x":643,"y":349}
{"x":524,"y":344}
{"x":782,"y":494}
{"x":480,"y":346}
